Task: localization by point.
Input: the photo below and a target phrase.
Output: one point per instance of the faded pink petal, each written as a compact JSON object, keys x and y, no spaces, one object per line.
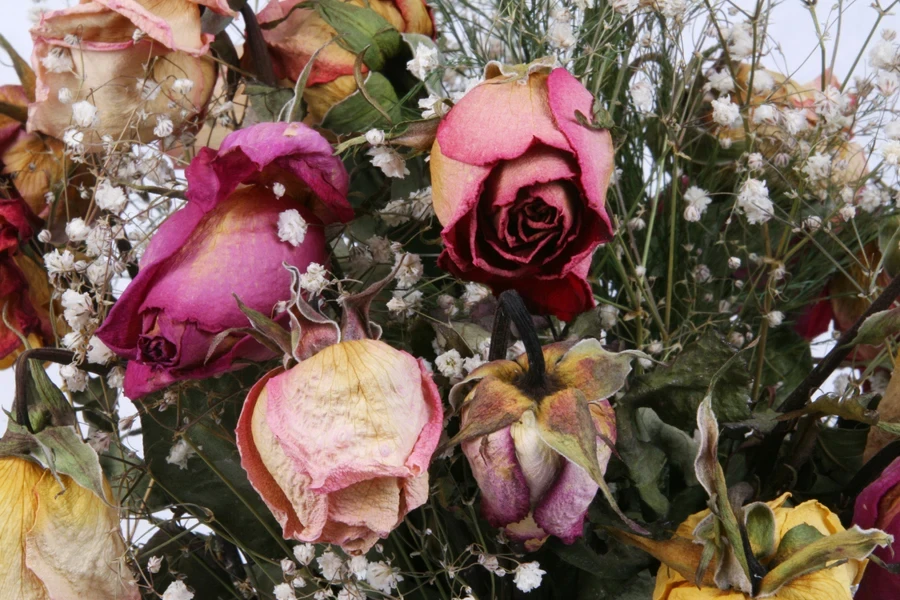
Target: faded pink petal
{"x":508,"y":116}
{"x":878,"y":506}
{"x":338,"y":446}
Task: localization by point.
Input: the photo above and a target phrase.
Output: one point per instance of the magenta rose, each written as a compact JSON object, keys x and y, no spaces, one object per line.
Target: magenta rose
{"x":226,"y":242}
{"x":878,"y":506}
{"x":520,"y":185}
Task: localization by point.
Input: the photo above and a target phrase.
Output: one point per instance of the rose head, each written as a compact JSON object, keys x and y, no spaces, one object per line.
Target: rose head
{"x":223,"y":243}
{"x":339,"y":445}
{"x":293,"y":35}
{"x":835,"y":581}
{"x":879,"y":506}
{"x":519,"y":186}
{"x":24,"y":289}
{"x":58,"y":544}
{"x":530,"y":445}
{"x":122,"y":56}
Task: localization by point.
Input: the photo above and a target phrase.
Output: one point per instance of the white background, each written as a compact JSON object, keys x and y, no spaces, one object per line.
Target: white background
{"x":791,"y":26}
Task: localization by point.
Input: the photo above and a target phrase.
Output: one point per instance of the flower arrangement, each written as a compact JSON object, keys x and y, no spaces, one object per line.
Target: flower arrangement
{"x":449,"y":300}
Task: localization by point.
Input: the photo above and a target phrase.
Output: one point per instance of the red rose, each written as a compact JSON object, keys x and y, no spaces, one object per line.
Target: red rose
{"x":520,"y":185}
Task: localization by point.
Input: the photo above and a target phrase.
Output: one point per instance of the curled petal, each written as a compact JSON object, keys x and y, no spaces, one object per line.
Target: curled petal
{"x":504,"y":490}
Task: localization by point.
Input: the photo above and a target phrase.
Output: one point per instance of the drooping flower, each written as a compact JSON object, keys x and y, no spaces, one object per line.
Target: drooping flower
{"x":58,"y":544}
{"x":225,"y":242}
{"x":520,"y":191}
{"x":338,"y":446}
{"x":834,"y":582}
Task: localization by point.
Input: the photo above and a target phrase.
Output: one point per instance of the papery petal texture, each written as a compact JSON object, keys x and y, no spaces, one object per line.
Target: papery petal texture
{"x":58,"y":544}
{"x":339,"y":446}
{"x":118,"y":73}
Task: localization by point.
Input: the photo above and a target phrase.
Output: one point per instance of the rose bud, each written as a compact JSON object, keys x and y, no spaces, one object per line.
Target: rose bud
{"x":519,"y":179}
{"x":24,"y":288}
{"x":879,"y":506}
{"x":295,"y":33}
{"x":226,"y":242}
{"x":538,"y":433}
{"x":338,"y":446}
{"x":122,"y":59}
{"x":58,"y":544}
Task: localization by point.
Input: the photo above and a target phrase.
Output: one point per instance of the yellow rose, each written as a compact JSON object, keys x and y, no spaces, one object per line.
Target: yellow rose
{"x":832,"y":583}
{"x":57,"y":545}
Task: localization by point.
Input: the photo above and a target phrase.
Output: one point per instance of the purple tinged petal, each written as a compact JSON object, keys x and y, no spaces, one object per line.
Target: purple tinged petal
{"x":504,"y":490}
{"x":563,"y":509}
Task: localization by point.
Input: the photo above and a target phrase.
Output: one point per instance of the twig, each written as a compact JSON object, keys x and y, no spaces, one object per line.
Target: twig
{"x":766,"y":457}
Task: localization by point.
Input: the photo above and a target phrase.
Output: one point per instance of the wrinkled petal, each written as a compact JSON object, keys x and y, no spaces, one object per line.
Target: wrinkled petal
{"x":593,"y":148}
{"x":292,"y":147}
{"x":504,"y":490}
{"x":175,"y":23}
{"x":75,"y":546}
{"x":335,"y":414}
{"x":563,"y":509}
{"x":517,"y":114}
{"x":17,"y":507}
{"x":304,"y":514}
{"x":455,"y":186}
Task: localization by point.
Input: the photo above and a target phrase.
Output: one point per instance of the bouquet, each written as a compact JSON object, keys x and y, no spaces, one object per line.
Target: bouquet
{"x":460,"y":300}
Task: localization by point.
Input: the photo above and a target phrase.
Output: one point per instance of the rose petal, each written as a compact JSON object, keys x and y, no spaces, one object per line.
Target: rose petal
{"x":175,"y":23}
{"x":504,"y":491}
{"x":593,"y":148}
{"x":455,"y":187}
{"x":561,"y":512}
{"x":335,"y":414}
{"x":74,"y":546}
{"x":509,"y":114}
{"x":303,"y":515}
{"x":17,"y":507}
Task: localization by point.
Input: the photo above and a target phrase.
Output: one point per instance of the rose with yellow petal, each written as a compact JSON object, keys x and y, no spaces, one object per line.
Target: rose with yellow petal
{"x":293,"y":33}
{"x":226,"y":242}
{"x":339,"y":445}
{"x":58,"y":544}
{"x":130,"y":59}
{"x":833,"y":583}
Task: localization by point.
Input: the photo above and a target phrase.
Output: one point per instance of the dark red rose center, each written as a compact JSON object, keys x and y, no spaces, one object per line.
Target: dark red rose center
{"x":157,"y":350}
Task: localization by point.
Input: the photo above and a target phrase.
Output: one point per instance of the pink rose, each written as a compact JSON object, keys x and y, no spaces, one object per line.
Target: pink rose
{"x":225,"y":242}
{"x":520,"y":185}
{"x":878,"y":506}
{"x":122,"y":56}
{"x":339,"y":445}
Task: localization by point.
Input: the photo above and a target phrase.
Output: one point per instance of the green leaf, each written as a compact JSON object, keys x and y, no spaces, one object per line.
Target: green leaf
{"x":877,"y":327}
{"x":852,"y":544}
{"x":679,"y":447}
{"x":759,"y":521}
{"x":22,"y":67}
{"x":266,"y":326}
{"x":889,"y":244}
{"x":65,"y":452}
{"x":202,"y":560}
{"x":361,"y":30}
{"x":214,"y":486}
{"x":354,"y":113}
{"x":675,"y":392}
{"x":796,"y":538}
{"x":47,"y":405}
{"x":268,"y":103}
